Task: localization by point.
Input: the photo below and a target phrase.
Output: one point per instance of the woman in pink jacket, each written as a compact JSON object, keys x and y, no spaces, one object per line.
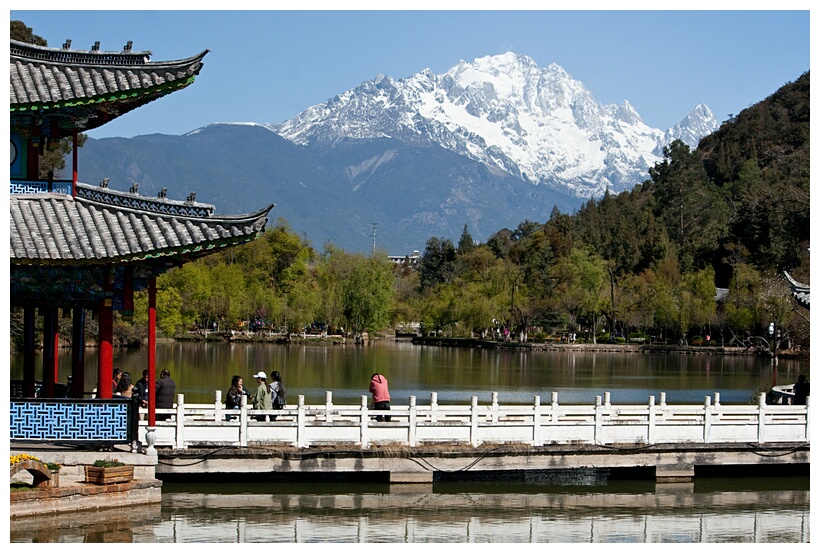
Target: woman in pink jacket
{"x":381,"y":396}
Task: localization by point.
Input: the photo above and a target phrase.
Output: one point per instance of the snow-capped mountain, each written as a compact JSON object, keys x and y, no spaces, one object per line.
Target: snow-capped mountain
{"x":538,"y":125}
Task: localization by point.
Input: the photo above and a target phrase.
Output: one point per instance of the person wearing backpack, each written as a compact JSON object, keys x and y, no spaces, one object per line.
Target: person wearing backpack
{"x":262,"y":397}
{"x":277,"y":389}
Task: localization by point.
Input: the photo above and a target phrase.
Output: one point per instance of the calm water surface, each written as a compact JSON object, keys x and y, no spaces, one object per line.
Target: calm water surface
{"x":710,"y":510}
{"x":455,"y":374}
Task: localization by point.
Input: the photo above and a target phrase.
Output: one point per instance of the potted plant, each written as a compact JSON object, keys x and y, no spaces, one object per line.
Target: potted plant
{"x":108,"y":471}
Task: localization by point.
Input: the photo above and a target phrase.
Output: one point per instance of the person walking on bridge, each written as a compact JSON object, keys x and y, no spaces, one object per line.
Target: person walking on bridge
{"x":381,"y":395}
{"x":262,"y":397}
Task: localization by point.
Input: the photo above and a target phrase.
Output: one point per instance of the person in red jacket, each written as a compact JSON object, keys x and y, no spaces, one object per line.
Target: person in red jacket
{"x":381,"y":396}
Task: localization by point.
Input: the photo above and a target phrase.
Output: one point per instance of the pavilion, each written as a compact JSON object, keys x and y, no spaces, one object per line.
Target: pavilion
{"x":85,"y":248}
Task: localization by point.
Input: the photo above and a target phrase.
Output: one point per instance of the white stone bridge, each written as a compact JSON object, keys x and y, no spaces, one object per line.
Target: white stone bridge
{"x":420,"y":440}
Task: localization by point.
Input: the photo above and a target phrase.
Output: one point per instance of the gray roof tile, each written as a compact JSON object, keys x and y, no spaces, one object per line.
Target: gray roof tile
{"x":105,"y":226}
{"x":51,"y":76}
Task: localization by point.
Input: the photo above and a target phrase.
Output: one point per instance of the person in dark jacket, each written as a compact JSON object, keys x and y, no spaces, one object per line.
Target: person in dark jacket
{"x":141,"y":389}
{"x":233,"y":399}
{"x":165,"y":390}
{"x":801,"y":390}
{"x":277,"y":391}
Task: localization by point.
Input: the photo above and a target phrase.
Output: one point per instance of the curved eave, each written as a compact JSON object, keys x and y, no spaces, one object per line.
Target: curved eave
{"x":145,"y":94}
{"x":58,"y":230}
{"x":46,"y":87}
{"x":159,"y":256}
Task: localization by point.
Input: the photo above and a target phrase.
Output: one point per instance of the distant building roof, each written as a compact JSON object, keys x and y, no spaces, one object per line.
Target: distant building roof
{"x":412,"y":259}
{"x":102,"y":226}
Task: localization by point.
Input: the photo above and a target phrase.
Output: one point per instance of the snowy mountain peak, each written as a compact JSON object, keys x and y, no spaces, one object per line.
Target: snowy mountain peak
{"x":537,"y":124}
{"x":697,"y":124}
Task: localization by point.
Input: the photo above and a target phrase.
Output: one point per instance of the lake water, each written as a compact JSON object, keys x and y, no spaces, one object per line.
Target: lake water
{"x":710,"y":510}
{"x":455,"y":374}
{"x":591,"y":510}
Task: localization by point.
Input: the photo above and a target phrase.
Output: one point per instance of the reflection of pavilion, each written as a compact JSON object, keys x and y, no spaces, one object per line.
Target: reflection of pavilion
{"x":87,"y":248}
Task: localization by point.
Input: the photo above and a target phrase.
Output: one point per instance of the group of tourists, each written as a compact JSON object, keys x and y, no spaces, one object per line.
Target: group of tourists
{"x":266,"y":397}
{"x":164,"y":389}
{"x":271,"y":396}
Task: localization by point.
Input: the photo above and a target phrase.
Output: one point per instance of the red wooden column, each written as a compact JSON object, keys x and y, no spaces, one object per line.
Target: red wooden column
{"x":29,"y":377}
{"x":51,"y":338}
{"x":78,"y":353}
{"x":152,"y":350}
{"x":74,"y":163}
{"x":105,"y":365}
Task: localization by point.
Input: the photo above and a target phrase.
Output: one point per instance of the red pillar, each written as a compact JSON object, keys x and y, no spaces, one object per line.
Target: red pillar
{"x":105,"y":366}
{"x":78,"y":353}
{"x":152,"y":350}
{"x":51,"y":339}
{"x":74,"y":163}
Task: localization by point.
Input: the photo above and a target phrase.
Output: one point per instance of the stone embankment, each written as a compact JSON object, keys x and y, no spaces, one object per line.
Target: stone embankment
{"x":604,"y":348}
{"x":70,"y":491}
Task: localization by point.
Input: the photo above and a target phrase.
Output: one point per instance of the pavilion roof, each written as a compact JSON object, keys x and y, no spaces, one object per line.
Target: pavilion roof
{"x":801,"y":292}
{"x":102,"y":227}
{"x":90,"y":87}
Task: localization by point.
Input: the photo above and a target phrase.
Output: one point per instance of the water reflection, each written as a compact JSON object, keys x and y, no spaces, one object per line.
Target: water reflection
{"x":774,"y":510}
{"x":455,"y":374}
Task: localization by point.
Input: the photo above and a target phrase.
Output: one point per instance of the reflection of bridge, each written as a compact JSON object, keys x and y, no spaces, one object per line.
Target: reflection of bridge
{"x":657,"y":514}
{"x":421,"y":440}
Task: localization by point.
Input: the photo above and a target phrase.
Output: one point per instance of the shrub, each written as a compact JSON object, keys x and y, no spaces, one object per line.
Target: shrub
{"x":107,"y":463}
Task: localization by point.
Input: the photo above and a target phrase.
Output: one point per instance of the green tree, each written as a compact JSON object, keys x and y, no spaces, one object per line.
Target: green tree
{"x":169,"y":309}
{"x":466,"y":244}
{"x":695,"y":297}
{"x":582,"y":279}
{"x":361,"y":290}
{"x":742,"y":308}
{"x":693,"y":210}
{"x":437,"y":263}
{"x":22,"y":33}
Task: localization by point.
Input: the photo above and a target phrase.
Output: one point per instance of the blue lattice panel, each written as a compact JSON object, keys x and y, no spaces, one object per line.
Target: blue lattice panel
{"x":40,"y":187}
{"x":72,"y":421}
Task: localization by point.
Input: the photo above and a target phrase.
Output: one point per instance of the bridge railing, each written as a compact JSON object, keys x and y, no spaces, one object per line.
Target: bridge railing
{"x":537,"y":424}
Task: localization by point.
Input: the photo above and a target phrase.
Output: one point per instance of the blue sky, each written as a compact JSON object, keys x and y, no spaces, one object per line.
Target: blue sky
{"x":267,"y":66}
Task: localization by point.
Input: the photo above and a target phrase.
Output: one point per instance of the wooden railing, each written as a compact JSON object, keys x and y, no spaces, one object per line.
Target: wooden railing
{"x":411,"y":425}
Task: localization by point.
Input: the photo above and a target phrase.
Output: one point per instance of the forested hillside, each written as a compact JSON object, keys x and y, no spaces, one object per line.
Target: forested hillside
{"x":734,"y":214}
